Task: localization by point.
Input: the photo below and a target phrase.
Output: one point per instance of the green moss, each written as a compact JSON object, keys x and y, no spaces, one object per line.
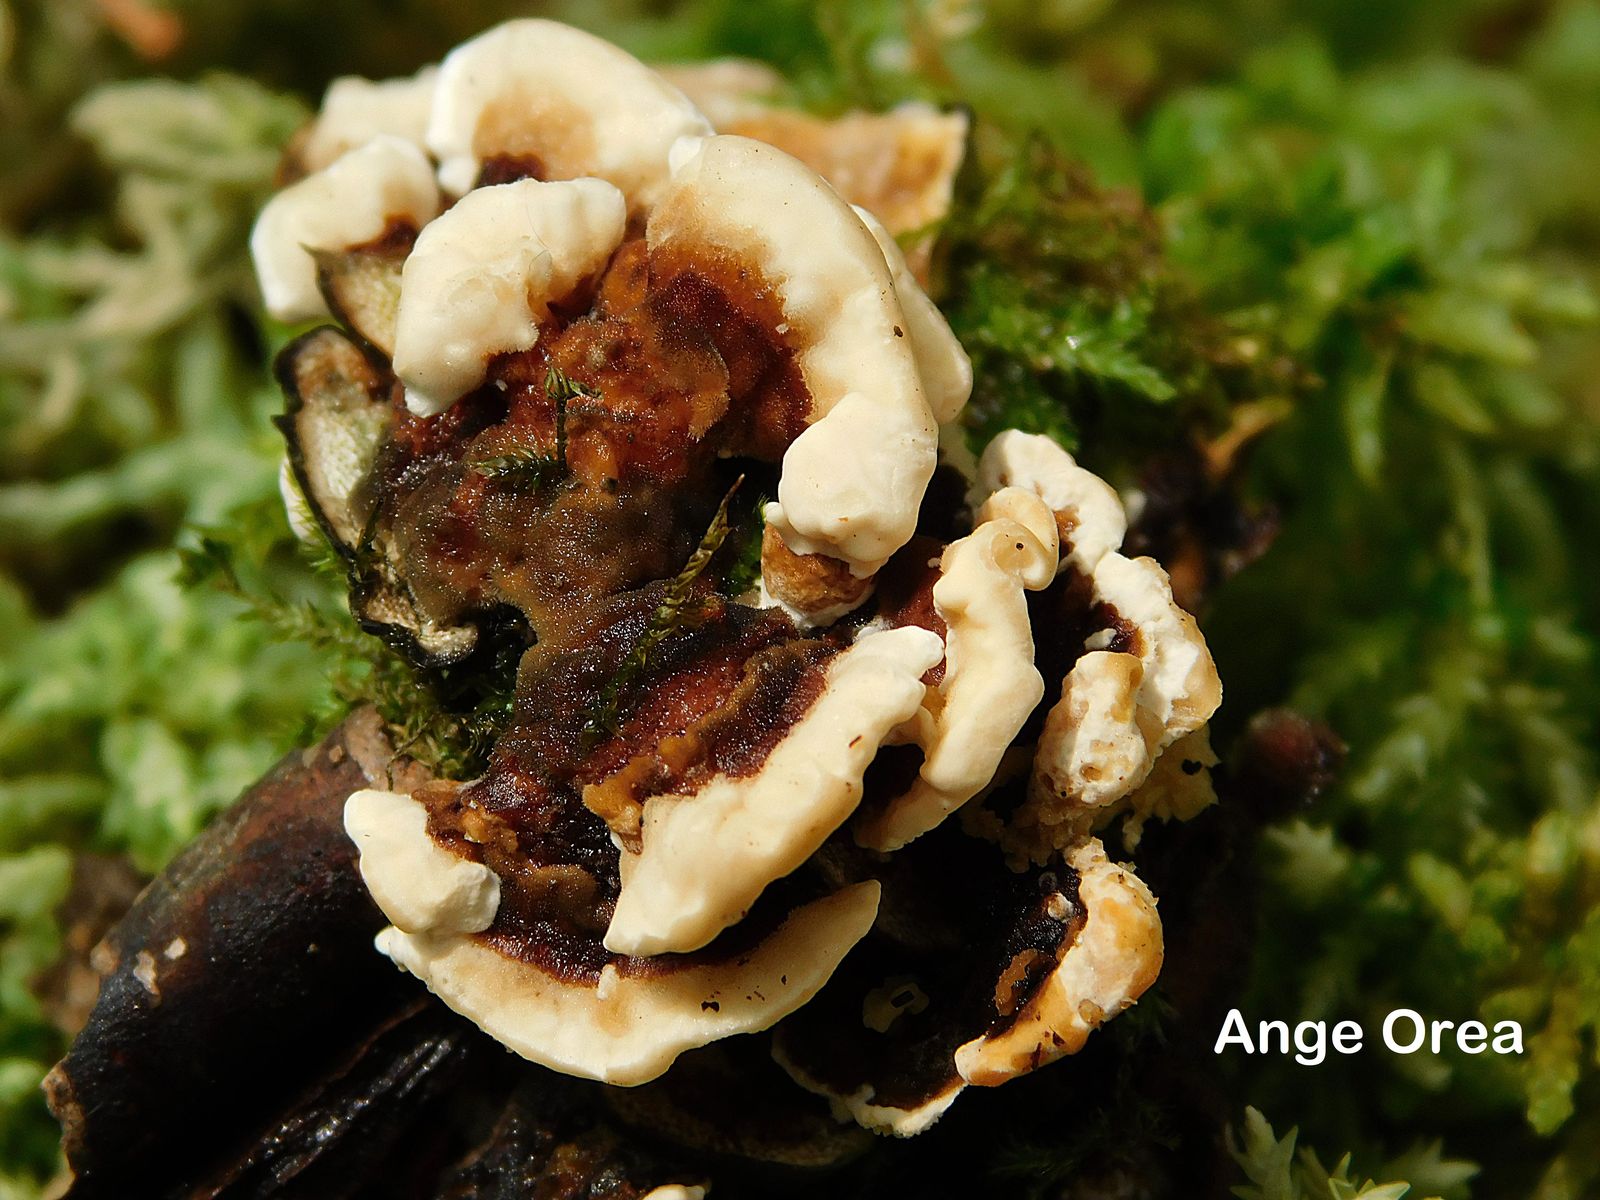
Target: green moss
{"x":1385,"y":229}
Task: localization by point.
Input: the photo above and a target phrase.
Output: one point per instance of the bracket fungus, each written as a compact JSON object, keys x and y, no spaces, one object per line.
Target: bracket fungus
{"x":357,"y":110}
{"x":857,"y":794}
{"x":382,"y":186}
{"x":554,"y":101}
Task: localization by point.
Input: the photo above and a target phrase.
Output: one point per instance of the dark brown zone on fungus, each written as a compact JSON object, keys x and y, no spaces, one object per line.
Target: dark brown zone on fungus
{"x":398,"y":237}
{"x":974,"y":937}
{"x":772,"y":690}
{"x":777,"y":902}
{"x":509,"y":168}
{"x":715,"y":697}
{"x":903,"y":596}
{"x":1063,"y":617}
{"x":697,"y":293}
{"x":944,"y":515}
{"x":890,"y":775}
{"x":905,"y":593}
{"x":676,"y":365}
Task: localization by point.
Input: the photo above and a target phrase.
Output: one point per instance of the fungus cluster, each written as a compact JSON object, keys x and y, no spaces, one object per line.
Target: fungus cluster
{"x":579,"y":333}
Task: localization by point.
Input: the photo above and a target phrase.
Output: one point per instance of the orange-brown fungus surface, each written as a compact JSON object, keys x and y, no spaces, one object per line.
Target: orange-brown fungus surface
{"x":548,"y":502}
{"x":582,"y":755}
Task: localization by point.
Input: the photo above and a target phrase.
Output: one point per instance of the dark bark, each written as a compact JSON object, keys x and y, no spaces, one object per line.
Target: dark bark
{"x":236,"y":978}
{"x":553,"y":1142}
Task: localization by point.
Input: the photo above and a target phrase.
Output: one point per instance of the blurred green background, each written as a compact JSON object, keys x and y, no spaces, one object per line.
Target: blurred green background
{"x":1372,"y":228}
